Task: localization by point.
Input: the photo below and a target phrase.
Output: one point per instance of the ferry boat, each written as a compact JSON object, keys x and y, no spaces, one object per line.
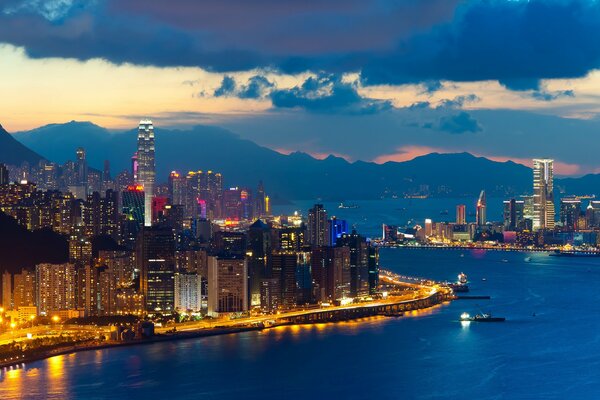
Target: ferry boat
{"x":465,"y":317}
{"x":347,"y":206}
{"x":574,"y":253}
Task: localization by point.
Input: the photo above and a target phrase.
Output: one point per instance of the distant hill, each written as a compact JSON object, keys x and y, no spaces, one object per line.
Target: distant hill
{"x":21,"y":248}
{"x":12,"y":152}
{"x":295,"y":176}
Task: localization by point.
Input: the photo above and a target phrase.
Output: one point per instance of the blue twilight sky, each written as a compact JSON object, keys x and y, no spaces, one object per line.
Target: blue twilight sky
{"x":372,"y":80}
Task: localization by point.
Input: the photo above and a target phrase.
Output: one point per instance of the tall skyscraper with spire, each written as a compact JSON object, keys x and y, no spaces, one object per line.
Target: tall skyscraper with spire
{"x":543,"y":194}
{"x":146,"y":173}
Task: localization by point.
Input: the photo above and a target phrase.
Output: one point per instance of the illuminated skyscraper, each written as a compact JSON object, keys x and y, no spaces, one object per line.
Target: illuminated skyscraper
{"x":146,"y":166}
{"x":481,"y":209}
{"x":461,"y":216}
{"x":318,"y":234}
{"x":543,"y":194}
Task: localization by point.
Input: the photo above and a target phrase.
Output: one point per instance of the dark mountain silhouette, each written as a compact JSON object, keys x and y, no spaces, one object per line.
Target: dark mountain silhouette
{"x":294,"y":176}
{"x":12,"y":152}
{"x":20,"y":248}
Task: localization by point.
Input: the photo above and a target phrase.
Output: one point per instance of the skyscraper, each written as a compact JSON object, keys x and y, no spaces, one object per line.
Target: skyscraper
{"x":461,"y":216}
{"x":146,"y":166}
{"x":543,"y":194}
{"x":227,"y":285}
{"x":481,"y":209}
{"x":317,"y":226}
{"x":4,"y":179}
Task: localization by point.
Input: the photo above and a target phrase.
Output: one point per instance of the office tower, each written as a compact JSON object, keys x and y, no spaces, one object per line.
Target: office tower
{"x":7,"y":291}
{"x":543,"y":194}
{"x":146,"y":166}
{"x":204,"y":195}
{"x":317,"y":227}
{"x":389,"y":233}
{"x":290,"y":238}
{"x":428,"y":230}
{"x":336,"y":228}
{"x":304,"y":279}
{"x":134,"y":204}
{"x":461,"y":214}
{"x":284,"y":268}
{"x":156,"y":263}
{"x":188,"y":292}
{"x":24,"y":289}
{"x":373,"y":269}
{"x":229,"y":243}
{"x":570,"y":210}
{"x":359,"y":263}
{"x":257,"y":254}
{"x":339,"y":273}
{"x":81,"y":167}
{"x":233,"y":207}
{"x":177,"y":188}
{"x":260,"y":206}
{"x":56,"y":287}
{"x":227,"y":285}
{"x":592,"y":214}
{"x":480,"y":211}
{"x":514,"y":214}
{"x":270,"y":295}
{"x":159,"y":205}
{"x":4,"y":176}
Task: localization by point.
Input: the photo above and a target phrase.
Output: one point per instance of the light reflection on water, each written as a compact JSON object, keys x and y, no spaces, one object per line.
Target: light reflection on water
{"x":421,"y":355}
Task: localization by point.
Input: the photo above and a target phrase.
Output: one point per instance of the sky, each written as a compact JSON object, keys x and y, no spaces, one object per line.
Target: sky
{"x":376,"y":80}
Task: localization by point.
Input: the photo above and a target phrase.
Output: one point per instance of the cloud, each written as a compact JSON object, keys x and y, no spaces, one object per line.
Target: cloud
{"x":327,"y":93}
{"x":517,"y":43}
{"x":227,"y":87}
{"x":256,"y":88}
{"x":458,"y":101}
{"x":459,"y":123}
{"x":549,"y":96}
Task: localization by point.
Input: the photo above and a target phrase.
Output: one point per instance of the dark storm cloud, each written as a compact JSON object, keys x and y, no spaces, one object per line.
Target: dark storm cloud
{"x":327,"y":93}
{"x":459,"y":123}
{"x":389,"y":42}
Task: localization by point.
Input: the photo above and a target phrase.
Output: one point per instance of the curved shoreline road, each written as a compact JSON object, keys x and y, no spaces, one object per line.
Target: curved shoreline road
{"x":423,"y":294}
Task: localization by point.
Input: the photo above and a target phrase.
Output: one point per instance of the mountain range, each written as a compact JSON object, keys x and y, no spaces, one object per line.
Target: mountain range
{"x":290,"y":177}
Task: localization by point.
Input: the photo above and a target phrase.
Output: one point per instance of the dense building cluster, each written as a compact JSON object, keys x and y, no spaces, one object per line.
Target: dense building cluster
{"x":191,"y":245}
{"x":529,"y":220}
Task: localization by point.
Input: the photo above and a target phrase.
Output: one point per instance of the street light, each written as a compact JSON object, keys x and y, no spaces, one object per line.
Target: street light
{"x":56,"y":318}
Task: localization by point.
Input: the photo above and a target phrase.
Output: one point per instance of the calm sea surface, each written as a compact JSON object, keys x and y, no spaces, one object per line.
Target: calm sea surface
{"x":549,"y":347}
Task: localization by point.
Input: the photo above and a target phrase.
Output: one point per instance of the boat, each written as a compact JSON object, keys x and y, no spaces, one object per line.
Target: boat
{"x":527,"y":259}
{"x":460,"y":286}
{"x":465,"y":317}
{"x":347,"y":206}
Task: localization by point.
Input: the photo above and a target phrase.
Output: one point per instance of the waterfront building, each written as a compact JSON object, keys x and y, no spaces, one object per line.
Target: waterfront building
{"x":373,"y":269}
{"x":461,"y":214}
{"x":156,"y":263}
{"x":359,"y":260}
{"x":257,"y":254}
{"x":284,"y":268}
{"x":543,"y":194}
{"x":570,"y":210}
{"x":317,"y":227}
{"x":188,"y":292}
{"x":270,"y":295}
{"x":481,"y":209}
{"x":56,"y":287}
{"x":146,"y":166}
{"x":227,"y":285}
{"x":592,"y":214}
{"x":513,"y":214}
{"x":304,"y":278}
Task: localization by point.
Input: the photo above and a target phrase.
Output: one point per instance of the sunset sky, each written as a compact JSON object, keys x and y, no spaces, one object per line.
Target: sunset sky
{"x":371,"y":80}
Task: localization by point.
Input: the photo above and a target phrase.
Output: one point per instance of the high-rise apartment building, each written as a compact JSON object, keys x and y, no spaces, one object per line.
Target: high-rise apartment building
{"x":56,"y":287}
{"x":146,"y":166}
{"x":543,"y":194}
{"x":461,"y":214}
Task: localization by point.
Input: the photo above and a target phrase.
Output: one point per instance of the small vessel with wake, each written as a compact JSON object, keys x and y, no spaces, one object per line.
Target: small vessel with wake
{"x":347,"y":206}
{"x":465,"y":317}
